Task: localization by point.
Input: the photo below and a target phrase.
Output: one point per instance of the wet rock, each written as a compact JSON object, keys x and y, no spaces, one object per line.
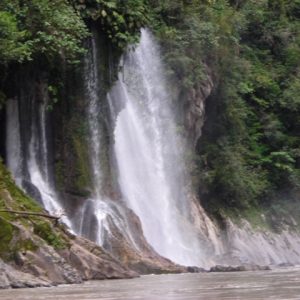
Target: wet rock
{"x":65,"y":258}
{"x":129,"y":247}
{"x":261,"y":246}
{"x":285,"y":265}
{"x":241,"y":268}
{"x":41,"y":264}
{"x":93,"y":262}
{"x":195,"y":105}
{"x":12,"y":278}
{"x":49,"y":264}
{"x":32,"y":191}
{"x":4,"y":283}
{"x":193,"y":269}
{"x":136,"y":255}
{"x":222,"y":268}
{"x":257,"y":268}
{"x":81,"y":260}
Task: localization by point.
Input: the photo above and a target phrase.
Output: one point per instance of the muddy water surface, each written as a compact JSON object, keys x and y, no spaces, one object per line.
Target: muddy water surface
{"x":276,"y":284}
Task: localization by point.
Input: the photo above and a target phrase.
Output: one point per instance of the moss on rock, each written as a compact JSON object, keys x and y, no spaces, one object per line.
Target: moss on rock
{"x":44,"y":230}
{"x":11,"y":224}
{"x":6,"y":236}
{"x":12,"y":197}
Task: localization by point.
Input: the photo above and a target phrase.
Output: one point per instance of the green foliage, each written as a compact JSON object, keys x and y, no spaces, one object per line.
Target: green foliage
{"x":83,"y":176}
{"x":44,"y":230}
{"x":255,"y":113}
{"x":249,"y":149}
{"x":194,"y":32}
{"x":21,"y":200}
{"x":6,"y":235}
{"x":39,"y":27}
{"x":11,"y":39}
{"x":120,"y":20}
{"x":11,"y":241}
{"x":54,"y":28}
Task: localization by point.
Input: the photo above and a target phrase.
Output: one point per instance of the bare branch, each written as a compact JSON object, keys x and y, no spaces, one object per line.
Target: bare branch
{"x":26,"y":213}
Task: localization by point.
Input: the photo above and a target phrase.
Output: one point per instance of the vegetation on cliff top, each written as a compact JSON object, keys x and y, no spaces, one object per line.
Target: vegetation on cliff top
{"x":56,"y":28}
{"x":39,"y":27}
{"x":120,"y":20}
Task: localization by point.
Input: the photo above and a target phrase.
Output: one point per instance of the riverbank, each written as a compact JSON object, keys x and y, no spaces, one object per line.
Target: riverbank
{"x":277,"y":284}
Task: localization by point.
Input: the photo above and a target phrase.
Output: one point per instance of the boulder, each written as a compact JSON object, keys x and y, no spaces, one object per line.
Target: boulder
{"x":240,"y":268}
{"x":12,"y":278}
{"x":193,"y":269}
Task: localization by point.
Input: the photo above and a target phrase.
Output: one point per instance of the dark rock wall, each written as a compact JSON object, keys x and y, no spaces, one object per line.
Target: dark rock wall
{"x":195,"y":103}
{"x":70,"y":126}
{"x":2,"y":133}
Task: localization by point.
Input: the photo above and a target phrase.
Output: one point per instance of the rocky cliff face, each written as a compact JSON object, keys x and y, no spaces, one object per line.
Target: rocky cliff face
{"x":239,"y":241}
{"x":247,"y":244}
{"x":44,"y":265}
{"x":33,"y":262}
{"x":195,"y":105}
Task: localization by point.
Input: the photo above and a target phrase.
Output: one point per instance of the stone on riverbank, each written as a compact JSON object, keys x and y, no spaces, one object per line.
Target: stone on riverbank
{"x":241,"y":268}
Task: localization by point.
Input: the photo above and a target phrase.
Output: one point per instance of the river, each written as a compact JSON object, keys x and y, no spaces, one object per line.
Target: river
{"x":275,"y":284}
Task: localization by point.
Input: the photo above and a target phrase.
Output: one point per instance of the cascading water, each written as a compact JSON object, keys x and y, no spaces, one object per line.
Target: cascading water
{"x":148,"y":154}
{"x":38,"y":164}
{"x":93,"y":114}
{"x":29,"y":160}
{"x":93,"y":210}
{"x":99,"y":213}
{"x":13,"y":141}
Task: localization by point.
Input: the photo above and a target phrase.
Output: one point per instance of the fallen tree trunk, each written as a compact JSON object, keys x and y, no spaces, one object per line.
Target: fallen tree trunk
{"x":26,"y":213}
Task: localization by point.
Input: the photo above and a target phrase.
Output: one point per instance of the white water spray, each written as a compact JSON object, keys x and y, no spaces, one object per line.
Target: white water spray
{"x":38,"y":161}
{"x":148,"y":152}
{"x":36,"y":165}
{"x":13,"y":141}
{"x":98,"y":208}
{"x":93,"y":116}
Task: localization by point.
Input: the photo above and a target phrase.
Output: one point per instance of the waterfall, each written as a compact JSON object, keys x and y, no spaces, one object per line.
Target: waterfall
{"x":93,"y":116}
{"x":134,"y":199}
{"x":146,"y":160}
{"x":38,"y":162}
{"x":93,"y":212}
{"x":28,"y":160}
{"x":149,"y":151}
{"x":13,"y":141}
{"x":99,"y":214}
